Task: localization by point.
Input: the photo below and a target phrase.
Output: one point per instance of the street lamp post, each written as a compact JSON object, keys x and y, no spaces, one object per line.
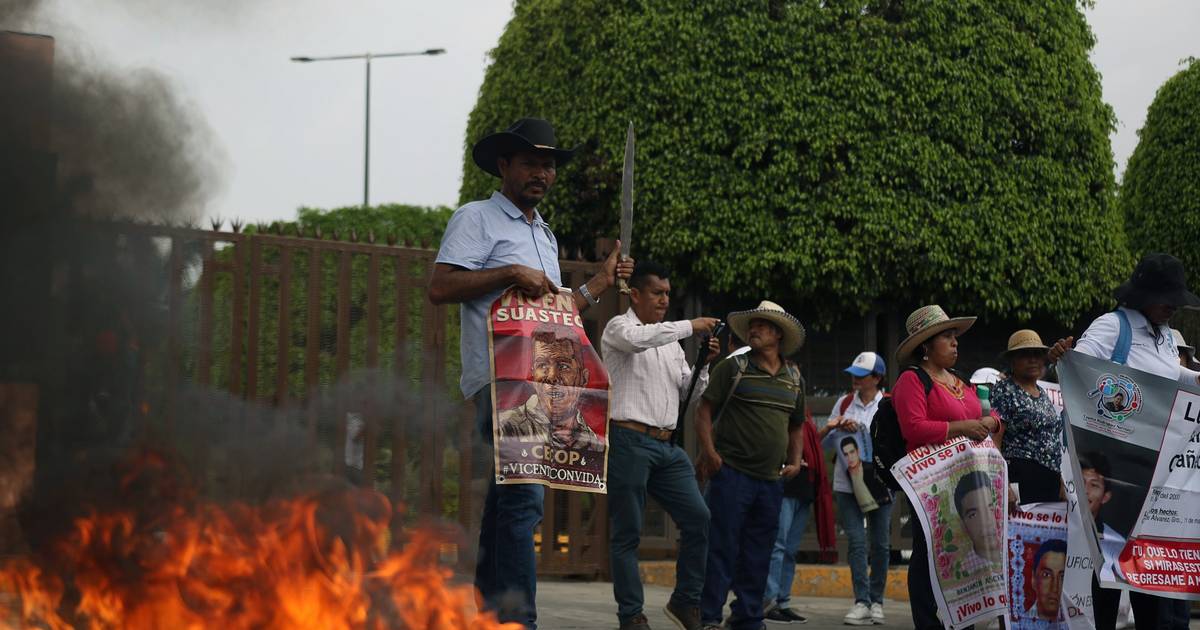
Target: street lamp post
{"x":367,"y":131}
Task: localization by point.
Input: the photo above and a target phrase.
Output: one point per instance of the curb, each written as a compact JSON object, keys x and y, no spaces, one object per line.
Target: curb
{"x":812,"y":580}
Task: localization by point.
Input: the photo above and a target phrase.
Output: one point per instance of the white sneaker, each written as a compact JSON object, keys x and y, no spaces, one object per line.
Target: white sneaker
{"x":877,"y":613}
{"x":860,"y":615}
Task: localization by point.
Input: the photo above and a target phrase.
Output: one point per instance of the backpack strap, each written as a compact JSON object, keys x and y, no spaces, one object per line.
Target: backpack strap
{"x":846,"y":400}
{"x":1120,"y":353}
{"x":742,"y":361}
{"x":924,"y":377}
{"x":797,"y":381}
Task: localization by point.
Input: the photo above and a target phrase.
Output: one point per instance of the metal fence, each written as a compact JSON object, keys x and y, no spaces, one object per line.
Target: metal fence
{"x":338,"y":338}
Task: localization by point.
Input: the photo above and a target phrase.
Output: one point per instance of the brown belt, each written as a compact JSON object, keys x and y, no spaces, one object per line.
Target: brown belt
{"x":645,"y":429}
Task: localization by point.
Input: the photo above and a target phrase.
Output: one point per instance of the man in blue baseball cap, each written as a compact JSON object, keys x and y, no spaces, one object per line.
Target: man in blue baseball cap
{"x":851,"y":417}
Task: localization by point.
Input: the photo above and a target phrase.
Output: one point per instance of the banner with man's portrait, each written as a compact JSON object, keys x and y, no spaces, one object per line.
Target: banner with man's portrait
{"x":1135,"y":450}
{"x":1037,"y":566}
{"x":852,"y":452}
{"x":549,"y":394}
{"x":959,"y":492}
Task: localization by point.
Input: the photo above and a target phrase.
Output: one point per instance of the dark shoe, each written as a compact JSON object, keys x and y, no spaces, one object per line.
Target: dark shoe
{"x":785,"y":615}
{"x":686,"y":617}
{"x":636,"y":622}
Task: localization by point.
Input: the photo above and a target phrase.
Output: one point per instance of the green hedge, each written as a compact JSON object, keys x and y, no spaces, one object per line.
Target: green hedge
{"x":833,"y":153}
{"x":1160,"y":192}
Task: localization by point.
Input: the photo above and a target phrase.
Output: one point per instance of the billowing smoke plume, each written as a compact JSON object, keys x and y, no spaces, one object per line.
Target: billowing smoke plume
{"x":128,"y":142}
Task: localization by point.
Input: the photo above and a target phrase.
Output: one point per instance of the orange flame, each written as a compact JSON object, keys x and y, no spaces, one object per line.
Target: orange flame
{"x":316,"y":561}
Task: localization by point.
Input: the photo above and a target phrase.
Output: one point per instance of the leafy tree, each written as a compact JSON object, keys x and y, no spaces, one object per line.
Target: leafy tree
{"x":415,"y":225}
{"x":840,"y":154}
{"x":1160,"y":192}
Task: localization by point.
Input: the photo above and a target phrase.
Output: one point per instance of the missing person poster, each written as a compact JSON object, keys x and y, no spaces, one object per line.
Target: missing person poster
{"x":852,"y":452}
{"x":1037,"y":566}
{"x":1077,"y":583}
{"x":959,"y":492}
{"x":1135,"y":438}
{"x":549,"y":394}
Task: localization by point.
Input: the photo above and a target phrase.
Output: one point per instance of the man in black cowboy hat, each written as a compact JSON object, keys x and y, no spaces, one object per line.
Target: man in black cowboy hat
{"x":488,"y":246}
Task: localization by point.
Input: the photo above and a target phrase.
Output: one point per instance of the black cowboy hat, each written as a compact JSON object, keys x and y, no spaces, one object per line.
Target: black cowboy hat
{"x":527,"y":134}
{"x":1157,"y":279}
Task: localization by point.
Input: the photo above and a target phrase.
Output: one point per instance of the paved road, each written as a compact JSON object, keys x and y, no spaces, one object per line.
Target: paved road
{"x":579,"y":605}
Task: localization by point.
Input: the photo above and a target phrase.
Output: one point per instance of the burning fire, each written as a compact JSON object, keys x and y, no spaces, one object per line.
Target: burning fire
{"x":315,"y":561}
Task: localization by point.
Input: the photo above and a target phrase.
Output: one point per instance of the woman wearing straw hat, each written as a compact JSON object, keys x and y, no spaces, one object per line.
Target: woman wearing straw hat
{"x":950,"y":409}
{"x":1032,"y":442}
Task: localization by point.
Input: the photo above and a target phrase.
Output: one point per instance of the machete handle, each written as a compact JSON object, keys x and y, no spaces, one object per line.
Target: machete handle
{"x":623,"y":286}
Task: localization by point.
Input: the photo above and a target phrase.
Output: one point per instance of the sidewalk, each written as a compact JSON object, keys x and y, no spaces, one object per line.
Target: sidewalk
{"x":812,"y":580}
{"x":580,"y":605}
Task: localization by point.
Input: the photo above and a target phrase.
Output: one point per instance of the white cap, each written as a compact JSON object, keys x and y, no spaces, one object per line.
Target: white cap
{"x":1179,"y":340}
{"x":986,"y":376}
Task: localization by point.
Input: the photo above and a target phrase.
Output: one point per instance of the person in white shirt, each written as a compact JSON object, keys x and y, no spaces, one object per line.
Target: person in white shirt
{"x":852,"y":414}
{"x":649,"y":374}
{"x":1187,"y":353}
{"x":1157,"y":288}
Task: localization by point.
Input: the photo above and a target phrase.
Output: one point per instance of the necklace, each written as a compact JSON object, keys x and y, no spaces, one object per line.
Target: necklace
{"x":954,"y":387}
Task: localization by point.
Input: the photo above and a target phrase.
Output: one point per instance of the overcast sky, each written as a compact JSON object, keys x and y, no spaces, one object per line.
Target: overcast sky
{"x":291,"y":134}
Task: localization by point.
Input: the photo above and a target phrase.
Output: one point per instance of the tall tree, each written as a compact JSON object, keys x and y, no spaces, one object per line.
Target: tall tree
{"x":1160,"y":192}
{"x":834,"y":153}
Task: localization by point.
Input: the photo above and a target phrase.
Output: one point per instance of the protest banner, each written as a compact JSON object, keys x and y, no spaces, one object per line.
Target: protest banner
{"x":1037,"y":566}
{"x":959,"y":490}
{"x":1135,"y":446}
{"x":549,"y":394}
{"x":1077,"y":585}
{"x":1055,"y":393}
{"x":852,"y":451}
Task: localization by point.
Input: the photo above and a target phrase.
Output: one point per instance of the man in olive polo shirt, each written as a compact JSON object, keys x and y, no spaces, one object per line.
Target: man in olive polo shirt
{"x":749,"y":428}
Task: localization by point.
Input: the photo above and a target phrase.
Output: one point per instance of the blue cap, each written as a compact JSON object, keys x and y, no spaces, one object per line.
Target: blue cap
{"x":867,"y":363}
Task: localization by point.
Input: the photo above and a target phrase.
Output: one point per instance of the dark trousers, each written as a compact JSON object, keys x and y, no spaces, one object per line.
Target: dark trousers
{"x":1159,"y":613}
{"x":741,"y":535}
{"x":1036,"y":483}
{"x":506,"y":566}
{"x":920,"y":589}
{"x":637,"y":465}
{"x":1105,"y":604}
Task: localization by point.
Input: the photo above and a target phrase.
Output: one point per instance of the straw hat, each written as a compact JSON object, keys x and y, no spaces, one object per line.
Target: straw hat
{"x":925,"y":323}
{"x":1024,"y":340}
{"x":793,"y":331}
{"x":1180,"y":342}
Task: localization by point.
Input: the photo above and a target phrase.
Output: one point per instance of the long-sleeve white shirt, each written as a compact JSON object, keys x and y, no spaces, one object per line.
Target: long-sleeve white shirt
{"x":1146,"y":353}
{"x":647,"y":369}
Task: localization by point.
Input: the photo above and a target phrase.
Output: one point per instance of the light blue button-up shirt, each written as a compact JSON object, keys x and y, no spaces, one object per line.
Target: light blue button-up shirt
{"x":487,"y":235}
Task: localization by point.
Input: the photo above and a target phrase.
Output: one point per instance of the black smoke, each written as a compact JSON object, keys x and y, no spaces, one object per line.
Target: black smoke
{"x":127,"y":141}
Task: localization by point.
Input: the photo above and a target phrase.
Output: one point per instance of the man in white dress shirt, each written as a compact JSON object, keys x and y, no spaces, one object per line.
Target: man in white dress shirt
{"x":649,"y":374}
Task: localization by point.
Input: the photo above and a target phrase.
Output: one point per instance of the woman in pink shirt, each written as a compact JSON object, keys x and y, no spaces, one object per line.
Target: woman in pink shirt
{"x":950,"y":409}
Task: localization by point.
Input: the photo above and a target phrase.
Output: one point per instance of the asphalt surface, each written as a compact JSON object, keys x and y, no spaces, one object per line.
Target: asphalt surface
{"x":579,"y":605}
